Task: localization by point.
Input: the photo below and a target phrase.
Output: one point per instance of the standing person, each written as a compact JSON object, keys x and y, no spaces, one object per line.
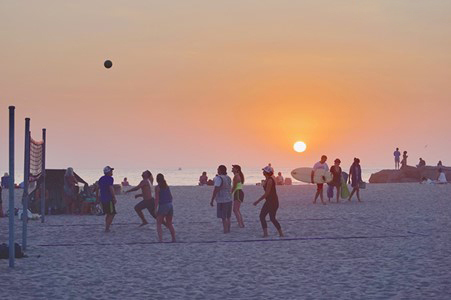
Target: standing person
{"x":336,"y":177}
{"x":321,"y":165}
{"x":70,"y":187}
{"x":397,"y":155}
{"x":223,"y":196}
{"x":1,"y":203}
{"x":404,"y":159}
{"x":146,"y":193}
{"x":163,"y":200}
{"x":355,"y":178}
{"x":107,"y":196}
{"x":271,"y":204}
{"x":237,"y":193}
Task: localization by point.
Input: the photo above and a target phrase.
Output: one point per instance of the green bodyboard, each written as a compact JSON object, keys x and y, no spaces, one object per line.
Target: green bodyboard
{"x":344,"y":191}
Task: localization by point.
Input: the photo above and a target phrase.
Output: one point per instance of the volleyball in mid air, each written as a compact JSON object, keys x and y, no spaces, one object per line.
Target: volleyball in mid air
{"x":108,"y":64}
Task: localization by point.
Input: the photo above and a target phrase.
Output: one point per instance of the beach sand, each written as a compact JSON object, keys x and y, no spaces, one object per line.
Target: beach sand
{"x":396,"y":245}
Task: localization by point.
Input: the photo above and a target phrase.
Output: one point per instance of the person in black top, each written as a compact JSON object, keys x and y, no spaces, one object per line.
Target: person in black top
{"x":336,"y":179}
{"x":271,"y":204}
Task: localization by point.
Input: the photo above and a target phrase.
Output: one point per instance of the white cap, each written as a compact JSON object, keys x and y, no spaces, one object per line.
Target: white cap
{"x":268,"y":169}
{"x":107,"y":169}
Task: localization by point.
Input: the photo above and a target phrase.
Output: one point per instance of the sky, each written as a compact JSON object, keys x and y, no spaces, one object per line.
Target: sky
{"x":201,"y":83}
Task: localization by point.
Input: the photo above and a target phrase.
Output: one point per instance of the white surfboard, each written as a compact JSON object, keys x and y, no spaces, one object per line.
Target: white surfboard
{"x":304,"y":175}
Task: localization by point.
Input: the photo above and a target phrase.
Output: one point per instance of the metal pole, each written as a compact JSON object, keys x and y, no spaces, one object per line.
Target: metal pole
{"x":43,"y":191}
{"x":26,"y":180}
{"x":11,"y":187}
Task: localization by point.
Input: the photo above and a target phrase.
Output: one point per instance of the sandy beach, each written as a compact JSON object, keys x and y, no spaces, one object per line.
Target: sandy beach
{"x":396,"y":244}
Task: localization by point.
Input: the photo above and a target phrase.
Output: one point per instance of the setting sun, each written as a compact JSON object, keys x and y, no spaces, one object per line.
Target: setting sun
{"x":299,"y":146}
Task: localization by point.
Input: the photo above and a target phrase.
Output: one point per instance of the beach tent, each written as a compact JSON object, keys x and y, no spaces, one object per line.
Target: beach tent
{"x":54,"y":185}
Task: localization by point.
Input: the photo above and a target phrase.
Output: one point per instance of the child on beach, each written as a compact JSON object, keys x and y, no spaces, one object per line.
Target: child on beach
{"x":223,"y":196}
{"x":107,"y":196}
{"x":165,"y":212}
{"x":355,"y":178}
{"x":336,"y":177}
{"x":271,"y":204}
{"x":237,"y":192}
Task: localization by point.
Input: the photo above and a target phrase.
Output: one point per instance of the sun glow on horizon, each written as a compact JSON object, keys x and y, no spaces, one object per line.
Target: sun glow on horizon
{"x":299,"y":146}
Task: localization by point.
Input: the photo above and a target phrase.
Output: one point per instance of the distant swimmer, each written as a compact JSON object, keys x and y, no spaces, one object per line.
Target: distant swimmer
{"x":237,"y":193}
{"x":397,"y":156}
{"x":355,"y":178}
{"x":321,"y":165}
{"x":271,"y":204}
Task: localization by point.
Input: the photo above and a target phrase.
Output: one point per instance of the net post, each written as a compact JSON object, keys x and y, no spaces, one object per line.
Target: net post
{"x":43,"y":190}
{"x":11,"y":187}
{"x":26,"y":181}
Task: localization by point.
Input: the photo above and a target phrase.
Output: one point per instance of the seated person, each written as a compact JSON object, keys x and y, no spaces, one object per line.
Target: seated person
{"x":441,"y":177}
{"x":203,"y":179}
{"x":125,"y":182}
{"x":5,"y":181}
{"x":422,"y":163}
{"x":425,"y":180}
{"x":279,"y":179}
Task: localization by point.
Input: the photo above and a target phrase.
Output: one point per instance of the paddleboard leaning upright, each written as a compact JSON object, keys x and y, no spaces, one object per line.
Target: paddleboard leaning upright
{"x":305,"y":175}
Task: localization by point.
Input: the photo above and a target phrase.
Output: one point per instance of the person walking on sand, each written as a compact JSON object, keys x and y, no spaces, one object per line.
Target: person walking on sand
{"x":237,"y":193}
{"x":336,"y":177}
{"x":271,"y":204}
{"x":146,"y":193}
{"x":321,"y":165}
{"x":165,"y":212}
{"x":397,"y":155}
{"x":107,"y":196}
{"x":223,"y":196}
{"x":355,"y":178}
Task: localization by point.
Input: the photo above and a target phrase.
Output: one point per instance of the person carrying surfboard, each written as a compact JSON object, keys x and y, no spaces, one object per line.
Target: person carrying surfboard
{"x":321,"y":165}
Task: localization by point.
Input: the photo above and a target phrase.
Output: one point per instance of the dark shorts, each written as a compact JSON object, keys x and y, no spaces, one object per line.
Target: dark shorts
{"x":224,"y":210}
{"x":149,"y":204}
{"x":165,"y":210}
{"x":109,"y":208}
{"x":319,"y":186}
{"x":238,"y":195}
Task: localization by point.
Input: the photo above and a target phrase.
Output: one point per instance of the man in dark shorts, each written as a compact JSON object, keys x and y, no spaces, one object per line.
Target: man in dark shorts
{"x":107,"y":196}
{"x":146,"y":193}
{"x":321,"y":165}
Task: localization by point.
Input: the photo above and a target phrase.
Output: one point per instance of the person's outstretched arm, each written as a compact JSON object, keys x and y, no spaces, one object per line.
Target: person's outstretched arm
{"x":269,"y":187}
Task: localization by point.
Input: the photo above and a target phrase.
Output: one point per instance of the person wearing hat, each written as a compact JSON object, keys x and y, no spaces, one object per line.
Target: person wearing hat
{"x":223,"y":196}
{"x":272,"y":202}
{"x":237,"y":193}
{"x":107,"y":196}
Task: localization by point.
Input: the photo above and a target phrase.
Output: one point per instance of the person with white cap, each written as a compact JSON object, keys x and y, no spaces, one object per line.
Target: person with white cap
{"x":107,"y":196}
{"x":272,"y":202}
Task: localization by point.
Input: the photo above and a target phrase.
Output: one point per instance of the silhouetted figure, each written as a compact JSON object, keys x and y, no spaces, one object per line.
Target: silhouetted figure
{"x":397,"y":156}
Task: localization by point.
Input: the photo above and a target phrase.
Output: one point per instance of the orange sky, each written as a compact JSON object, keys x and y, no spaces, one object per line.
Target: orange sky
{"x":198,"y":83}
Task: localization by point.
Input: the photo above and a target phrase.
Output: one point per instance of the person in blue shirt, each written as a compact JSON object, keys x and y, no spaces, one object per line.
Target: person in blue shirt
{"x":397,"y":155}
{"x":107,"y":196}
